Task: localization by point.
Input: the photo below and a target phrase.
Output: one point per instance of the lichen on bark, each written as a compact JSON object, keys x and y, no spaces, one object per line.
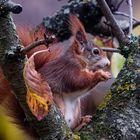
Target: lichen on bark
{"x":120,"y":118}
{"x":53,"y":126}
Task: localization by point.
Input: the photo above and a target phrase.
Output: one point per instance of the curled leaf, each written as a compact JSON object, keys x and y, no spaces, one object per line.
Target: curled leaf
{"x":39,"y":95}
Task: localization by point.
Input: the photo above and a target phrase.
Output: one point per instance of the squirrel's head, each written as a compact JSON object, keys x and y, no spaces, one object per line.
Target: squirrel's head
{"x":90,"y":55}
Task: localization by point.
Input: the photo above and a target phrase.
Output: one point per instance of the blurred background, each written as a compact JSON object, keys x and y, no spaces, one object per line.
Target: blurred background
{"x":33,"y":13}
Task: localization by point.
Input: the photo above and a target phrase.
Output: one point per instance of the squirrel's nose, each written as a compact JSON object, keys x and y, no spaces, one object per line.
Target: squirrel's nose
{"x":107,"y":62}
{"x":104,"y":62}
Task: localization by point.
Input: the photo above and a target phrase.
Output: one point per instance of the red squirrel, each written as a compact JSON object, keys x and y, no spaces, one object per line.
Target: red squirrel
{"x":73,"y":73}
{"x":72,"y":70}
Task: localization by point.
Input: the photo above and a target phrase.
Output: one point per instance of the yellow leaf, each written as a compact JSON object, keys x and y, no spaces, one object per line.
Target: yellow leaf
{"x":38,"y":105}
{"x":39,"y":95}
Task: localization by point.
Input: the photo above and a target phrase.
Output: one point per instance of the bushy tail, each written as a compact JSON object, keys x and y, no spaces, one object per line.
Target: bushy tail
{"x":14,"y":111}
{"x":30,"y":34}
{"x":5,"y":89}
{"x":27,"y":36}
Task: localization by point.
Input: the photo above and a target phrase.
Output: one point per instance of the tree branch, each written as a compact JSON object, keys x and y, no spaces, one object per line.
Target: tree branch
{"x":120,"y":110}
{"x":131,"y":16}
{"x":111,"y":50}
{"x":125,"y":15}
{"x":48,"y":40}
{"x":136,"y":24}
{"x":115,"y":27}
{"x":53,"y":126}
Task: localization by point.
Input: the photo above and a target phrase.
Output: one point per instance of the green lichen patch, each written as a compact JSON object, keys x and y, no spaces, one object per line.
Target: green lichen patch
{"x":85,"y":135}
{"x":126,"y":87}
{"x":76,"y":137}
{"x":105,"y":101}
{"x":118,"y":115}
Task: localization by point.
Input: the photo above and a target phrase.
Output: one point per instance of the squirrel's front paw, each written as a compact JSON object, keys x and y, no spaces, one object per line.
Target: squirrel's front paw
{"x":83,"y":122}
{"x":104,"y":75}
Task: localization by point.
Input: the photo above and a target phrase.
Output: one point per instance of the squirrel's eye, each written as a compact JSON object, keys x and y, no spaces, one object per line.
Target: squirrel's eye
{"x":95,"y":51}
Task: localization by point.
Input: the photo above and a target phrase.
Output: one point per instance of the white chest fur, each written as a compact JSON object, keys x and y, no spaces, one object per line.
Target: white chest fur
{"x":72,"y":110}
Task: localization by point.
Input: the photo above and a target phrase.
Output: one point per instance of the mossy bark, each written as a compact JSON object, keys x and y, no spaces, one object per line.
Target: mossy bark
{"x":52,"y":127}
{"x":120,"y":118}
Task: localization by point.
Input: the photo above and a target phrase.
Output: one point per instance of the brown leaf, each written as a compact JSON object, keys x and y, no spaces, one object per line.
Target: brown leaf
{"x":39,"y":95}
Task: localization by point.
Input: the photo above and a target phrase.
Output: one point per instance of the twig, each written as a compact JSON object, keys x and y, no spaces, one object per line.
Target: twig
{"x":46,"y":41}
{"x":134,"y":26}
{"x":33,"y":45}
{"x":111,"y":50}
{"x":125,"y":15}
{"x":131,"y":16}
{"x":119,"y":4}
{"x":115,"y":27}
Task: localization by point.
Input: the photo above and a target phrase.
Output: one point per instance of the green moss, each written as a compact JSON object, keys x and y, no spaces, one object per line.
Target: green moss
{"x":85,"y":136}
{"x":105,"y":101}
{"x":126,"y":87}
{"x":68,"y":134}
{"x":76,"y":137}
{"x":130,"y":60}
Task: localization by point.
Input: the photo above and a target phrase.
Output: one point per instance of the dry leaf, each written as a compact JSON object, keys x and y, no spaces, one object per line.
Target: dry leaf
{"x":103,"y":42}
{"x":39,"y":95}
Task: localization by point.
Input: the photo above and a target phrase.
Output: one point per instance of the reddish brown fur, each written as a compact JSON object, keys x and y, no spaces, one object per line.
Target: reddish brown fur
{"x":14,"y":111}
{"x":5,"y":89}
{"x":62,"y":67}
{"x":29,"y":34}
{"x":69,"y":73}
{"x":7,"y":99}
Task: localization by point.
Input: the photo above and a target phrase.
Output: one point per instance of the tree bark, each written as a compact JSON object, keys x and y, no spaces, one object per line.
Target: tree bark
{"x":119,"y":115}
{"x":52,"y":127}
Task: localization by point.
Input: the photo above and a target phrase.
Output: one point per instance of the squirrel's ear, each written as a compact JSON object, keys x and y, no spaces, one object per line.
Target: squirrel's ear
{"x":77,"y":48}
{"x":77,"y":29}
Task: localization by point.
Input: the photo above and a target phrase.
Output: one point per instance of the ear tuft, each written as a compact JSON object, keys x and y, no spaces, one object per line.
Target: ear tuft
{"x":77,"y":29}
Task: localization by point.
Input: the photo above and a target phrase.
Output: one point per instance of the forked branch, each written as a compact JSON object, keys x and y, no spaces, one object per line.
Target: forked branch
{"x":118,"y":32}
